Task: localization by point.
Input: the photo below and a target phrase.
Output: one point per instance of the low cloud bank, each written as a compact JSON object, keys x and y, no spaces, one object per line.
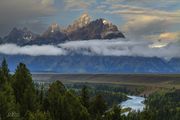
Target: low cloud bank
{"x":116,"y":47}
{"x":34,"y":50}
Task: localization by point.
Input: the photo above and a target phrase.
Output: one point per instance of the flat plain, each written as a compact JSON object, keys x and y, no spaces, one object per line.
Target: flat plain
{"x":146,"y":80}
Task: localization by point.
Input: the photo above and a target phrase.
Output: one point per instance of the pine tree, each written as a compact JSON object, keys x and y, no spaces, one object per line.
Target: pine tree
{"x":98,"y":106}
{"x":85,"y":97}
{"x":24,"y":89}
{"x":54,"y":100}
{"x":38,"y":115}
{"x":8,"y":107}
{"x":4,"y":73}
{"x":23,"y":79}
{"x":114,"y":113}
{"x":63,"y":105}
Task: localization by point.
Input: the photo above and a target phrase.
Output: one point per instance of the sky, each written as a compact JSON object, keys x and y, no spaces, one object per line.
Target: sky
{"x":153,"y":23}
{"x":133,"y":17}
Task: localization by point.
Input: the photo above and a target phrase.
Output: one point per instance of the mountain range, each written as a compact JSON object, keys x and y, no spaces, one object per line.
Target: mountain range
{"x":94,"y":64}
{"x":82,"y":29}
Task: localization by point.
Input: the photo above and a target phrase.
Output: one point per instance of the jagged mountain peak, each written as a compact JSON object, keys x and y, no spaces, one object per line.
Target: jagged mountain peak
{"x":54,"y":27}
{"x":53,"y":35}
{"x":97,"y":29}
{"x":19,"y":36}
{"x":84,"y":18}
{"x":82,"y":21}
{"x":106,"y":22}
{"x":82,"y":29}
{"x":15,"y":30}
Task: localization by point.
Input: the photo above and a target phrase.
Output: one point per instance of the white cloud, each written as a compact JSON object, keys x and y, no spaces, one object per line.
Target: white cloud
{"x":117,"y":47}
{"x":74,"y":5}
{"x":141,"y":26}
{"x":140,"y":20}
{"x":47,"y":2}
{"x":133,"y":10}
{"x":166,"y":37}
{"x":33,"y":50}
{"x":120,"y":47}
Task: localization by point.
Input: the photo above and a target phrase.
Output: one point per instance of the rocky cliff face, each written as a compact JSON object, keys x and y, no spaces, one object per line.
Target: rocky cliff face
{"x":19,"y":36}
{"x":81,"y":29}
{"x":82,"y":21}
{"x":98,"y":29}
{"x":53,"y":35}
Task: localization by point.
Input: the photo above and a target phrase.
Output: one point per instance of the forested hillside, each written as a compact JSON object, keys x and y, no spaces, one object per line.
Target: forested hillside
{"x":21,"y":99}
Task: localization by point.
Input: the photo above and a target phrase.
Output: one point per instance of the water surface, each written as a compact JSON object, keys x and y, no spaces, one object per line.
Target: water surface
{"x":136,"y":103}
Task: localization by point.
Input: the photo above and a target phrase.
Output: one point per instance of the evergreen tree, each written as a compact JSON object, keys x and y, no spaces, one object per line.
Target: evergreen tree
{"x":98,"y":106}
{"x":76,"y":109}
{"x":41,"y":95}
{"x":54,"y":100}
{"x":4,"y":73}
{"x":38,"y":115}
{"x":63,"y":105}
{"x":22,"y":81}
{"x":114,"y":114}
{"x":85,"y":97}
{"x":24,"y":89}
{"x":8,"y":107}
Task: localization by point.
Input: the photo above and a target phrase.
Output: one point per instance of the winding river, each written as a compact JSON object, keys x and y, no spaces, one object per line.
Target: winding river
{"x":136,"y":103}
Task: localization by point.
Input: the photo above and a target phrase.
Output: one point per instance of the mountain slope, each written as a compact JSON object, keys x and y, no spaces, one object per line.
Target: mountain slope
{"x":98,"y":29}
{"x":19,"y":36}
{"x":53,"y":35}
{"x":94,"y":64}
{"x":82,"y":21}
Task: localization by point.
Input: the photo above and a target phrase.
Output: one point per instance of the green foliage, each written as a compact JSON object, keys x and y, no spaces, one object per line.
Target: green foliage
{"x":112,"y":94}
{"x":63,"y":105}
{"x":159,"y":106}
{"x":7,"y":103}
{"x":85,"y":97}
{"x":4,"y":73}
{"x":22,"y":81}
{"x":24,"y":89}
{"x":38,"y":115}
{"x":98,"y":106}
{"x":20,"y":99}
{"x":7,"y":97}
{"x":114,"y":114}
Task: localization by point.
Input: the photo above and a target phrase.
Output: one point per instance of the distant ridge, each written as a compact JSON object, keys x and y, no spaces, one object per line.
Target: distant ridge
{"x":94,"y":64}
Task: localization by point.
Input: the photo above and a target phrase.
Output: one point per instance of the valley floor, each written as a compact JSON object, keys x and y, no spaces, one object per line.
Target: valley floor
{"x":146,"y":83}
